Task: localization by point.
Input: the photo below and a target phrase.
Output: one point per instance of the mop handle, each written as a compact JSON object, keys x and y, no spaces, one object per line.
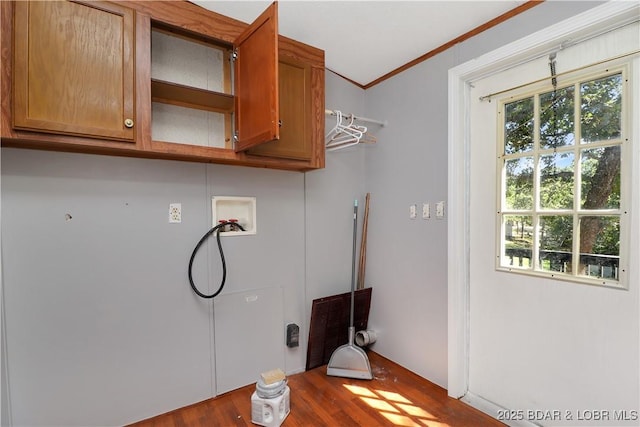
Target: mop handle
{"x":353,"y":261}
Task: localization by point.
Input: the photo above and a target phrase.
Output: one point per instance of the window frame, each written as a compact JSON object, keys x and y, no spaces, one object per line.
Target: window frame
{"x":536,"y":212}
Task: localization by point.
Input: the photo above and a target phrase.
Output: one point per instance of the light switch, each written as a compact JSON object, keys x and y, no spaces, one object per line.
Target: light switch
{"x":413,"y":211}
{"x":426,"y":211}
{"x":440,"y":210}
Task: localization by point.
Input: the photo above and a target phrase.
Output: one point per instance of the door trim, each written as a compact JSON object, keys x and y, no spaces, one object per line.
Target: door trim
{"x":581,"y":27}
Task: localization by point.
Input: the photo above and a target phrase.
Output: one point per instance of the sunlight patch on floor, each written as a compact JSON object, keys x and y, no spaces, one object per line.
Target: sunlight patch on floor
{"x":393,"y":396}
{"x":401,"y":420}
{"x":360,"y":391}
{"x":380,"y":405}
{"x":414,"y":411}
{"x":395,"y":407}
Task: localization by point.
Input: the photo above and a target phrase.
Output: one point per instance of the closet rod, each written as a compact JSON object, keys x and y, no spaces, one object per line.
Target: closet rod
{"x":362,"y":119}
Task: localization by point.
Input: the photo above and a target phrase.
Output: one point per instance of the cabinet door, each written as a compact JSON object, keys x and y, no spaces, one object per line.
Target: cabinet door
{"x":74,"y":69}
{"x":256,"y":82}
{"x":295,"y":113}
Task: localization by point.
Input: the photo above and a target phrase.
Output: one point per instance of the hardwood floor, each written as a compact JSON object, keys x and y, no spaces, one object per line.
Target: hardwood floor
{"x":395,"y":397}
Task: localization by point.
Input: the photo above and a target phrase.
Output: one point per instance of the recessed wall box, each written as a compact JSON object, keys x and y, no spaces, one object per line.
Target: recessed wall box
{"x":293,"y":335}
{"x":242,"y":209}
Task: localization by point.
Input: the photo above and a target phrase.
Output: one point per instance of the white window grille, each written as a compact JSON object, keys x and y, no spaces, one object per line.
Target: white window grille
{"x":564,"y":177}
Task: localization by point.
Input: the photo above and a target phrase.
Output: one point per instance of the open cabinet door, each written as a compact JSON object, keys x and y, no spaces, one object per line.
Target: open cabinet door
{"x":256,"y":82}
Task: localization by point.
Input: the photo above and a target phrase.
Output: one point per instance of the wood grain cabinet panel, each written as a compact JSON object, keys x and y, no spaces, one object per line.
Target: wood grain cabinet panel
{"x":295,"y":113}
{"x":256,"y":80}
{"x":74,"y":69}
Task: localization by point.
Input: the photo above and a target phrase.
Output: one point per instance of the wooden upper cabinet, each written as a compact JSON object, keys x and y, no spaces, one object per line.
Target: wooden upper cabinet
{"x":154,"y":79}
{"x":74,"y":69}
{"x":256,"y":82}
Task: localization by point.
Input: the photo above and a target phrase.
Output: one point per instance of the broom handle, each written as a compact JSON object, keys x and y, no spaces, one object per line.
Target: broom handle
{"x":353,"y":261}
{"x":363,"y":244}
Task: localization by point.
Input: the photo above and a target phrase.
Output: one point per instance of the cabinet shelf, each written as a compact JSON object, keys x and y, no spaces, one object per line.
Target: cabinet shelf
{"x":191,"y":97}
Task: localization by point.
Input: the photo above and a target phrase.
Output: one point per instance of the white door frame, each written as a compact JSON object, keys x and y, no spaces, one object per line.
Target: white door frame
{"x":583,"y":26}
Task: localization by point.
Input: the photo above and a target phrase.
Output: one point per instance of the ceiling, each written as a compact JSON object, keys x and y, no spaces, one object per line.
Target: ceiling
{"x":365,"y":40}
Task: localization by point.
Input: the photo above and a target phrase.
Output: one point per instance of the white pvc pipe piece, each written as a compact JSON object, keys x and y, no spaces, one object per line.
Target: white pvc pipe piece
{"x":365,"y":338}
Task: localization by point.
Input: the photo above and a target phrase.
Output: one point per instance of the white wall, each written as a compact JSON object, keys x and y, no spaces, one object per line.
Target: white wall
{"x":330,"y":194}
{"x":4,"y":382}
{"x":538,"y":344}
{"x":407,"y":261}
{"x":99,"y":313}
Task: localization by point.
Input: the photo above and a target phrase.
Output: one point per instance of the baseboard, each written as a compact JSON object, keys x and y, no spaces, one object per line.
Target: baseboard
{"x":295,"y":371}
{"x":495,"y":411}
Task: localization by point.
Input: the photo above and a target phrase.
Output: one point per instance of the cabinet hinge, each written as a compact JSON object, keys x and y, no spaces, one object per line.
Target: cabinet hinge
{"x":235,"y":136}
{"x":234,"y":54}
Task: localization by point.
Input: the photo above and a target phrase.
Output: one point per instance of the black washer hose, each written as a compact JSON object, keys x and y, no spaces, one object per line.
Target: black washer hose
{"x":224,"y":264}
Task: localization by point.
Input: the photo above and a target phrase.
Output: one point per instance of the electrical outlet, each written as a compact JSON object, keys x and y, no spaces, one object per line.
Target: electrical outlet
{"x":175,"y":213}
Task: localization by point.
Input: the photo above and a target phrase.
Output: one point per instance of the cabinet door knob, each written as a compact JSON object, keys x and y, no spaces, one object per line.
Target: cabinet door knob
{"x":128,"y":123}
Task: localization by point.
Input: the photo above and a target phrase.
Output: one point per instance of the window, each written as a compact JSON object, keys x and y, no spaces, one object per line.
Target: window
{"x":561,"y":208}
